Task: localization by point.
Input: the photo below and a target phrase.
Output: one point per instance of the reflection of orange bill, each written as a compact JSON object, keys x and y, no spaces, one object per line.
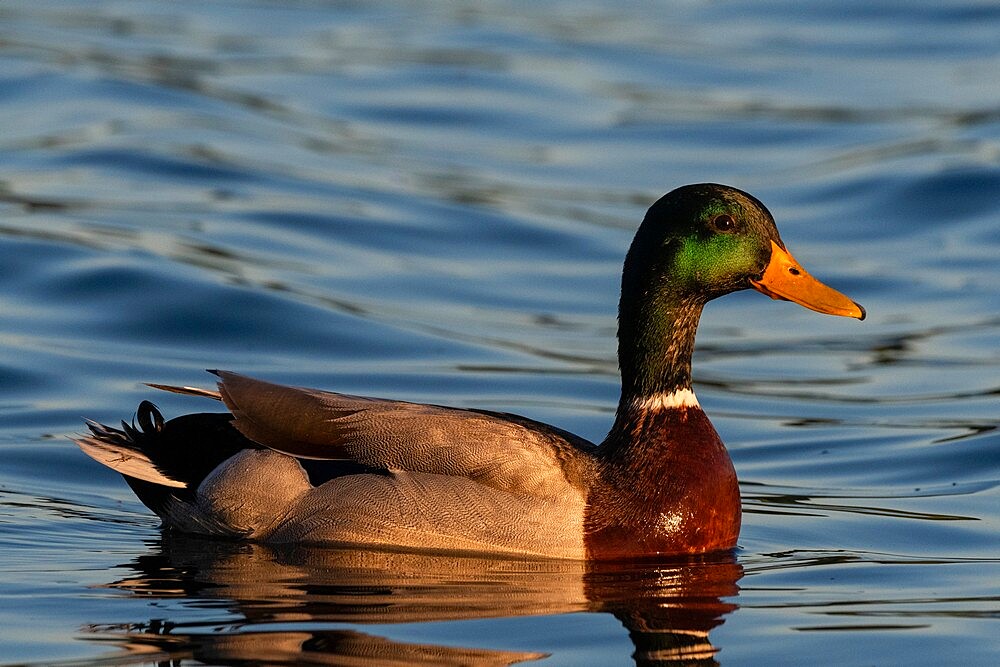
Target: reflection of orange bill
{"x":785,"y":279}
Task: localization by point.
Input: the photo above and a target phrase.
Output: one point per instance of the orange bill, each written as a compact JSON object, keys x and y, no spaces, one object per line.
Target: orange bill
{"x":785,"y":279}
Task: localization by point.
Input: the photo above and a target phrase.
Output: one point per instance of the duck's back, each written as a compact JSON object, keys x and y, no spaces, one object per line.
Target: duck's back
{"x":501,"y":451}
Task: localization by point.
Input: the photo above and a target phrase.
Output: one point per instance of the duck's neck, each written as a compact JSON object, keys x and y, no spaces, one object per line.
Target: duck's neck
{"x":655,"y":345}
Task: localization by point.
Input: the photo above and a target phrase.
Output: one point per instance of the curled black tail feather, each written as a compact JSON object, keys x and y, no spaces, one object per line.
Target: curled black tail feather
{"x":150,"y":418}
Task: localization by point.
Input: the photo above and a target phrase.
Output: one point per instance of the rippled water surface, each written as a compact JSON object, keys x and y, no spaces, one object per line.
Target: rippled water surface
{"x":432,"y":201}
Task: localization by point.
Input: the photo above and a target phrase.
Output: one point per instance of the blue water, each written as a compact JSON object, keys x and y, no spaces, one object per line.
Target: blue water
{"x":431,"y":201}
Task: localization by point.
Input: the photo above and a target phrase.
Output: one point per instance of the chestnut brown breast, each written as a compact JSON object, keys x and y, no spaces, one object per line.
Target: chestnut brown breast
{"x":672,"y":489}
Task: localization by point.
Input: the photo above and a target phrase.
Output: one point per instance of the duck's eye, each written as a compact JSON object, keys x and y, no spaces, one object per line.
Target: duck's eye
{"x":724,"y":223}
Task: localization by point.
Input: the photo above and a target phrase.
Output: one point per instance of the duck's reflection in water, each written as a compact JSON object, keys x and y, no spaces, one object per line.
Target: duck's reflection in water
{"x":277,"y":606}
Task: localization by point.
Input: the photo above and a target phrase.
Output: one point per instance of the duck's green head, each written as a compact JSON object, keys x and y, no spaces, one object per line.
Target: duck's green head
{"x":695,"y":244}
{"x":701,"y":241}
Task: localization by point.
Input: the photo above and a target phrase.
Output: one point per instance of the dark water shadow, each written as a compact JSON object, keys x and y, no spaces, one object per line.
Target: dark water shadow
{"x":260,"y":605}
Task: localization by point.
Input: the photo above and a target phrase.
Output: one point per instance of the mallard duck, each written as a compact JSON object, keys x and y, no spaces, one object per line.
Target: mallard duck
{"x":296,"y":465}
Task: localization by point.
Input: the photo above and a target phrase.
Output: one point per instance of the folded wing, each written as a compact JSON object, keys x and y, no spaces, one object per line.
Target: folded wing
{"x":502,"y":451}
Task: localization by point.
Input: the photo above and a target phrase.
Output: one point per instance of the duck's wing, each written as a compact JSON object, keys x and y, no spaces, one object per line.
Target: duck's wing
{"x":503,"y":451}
